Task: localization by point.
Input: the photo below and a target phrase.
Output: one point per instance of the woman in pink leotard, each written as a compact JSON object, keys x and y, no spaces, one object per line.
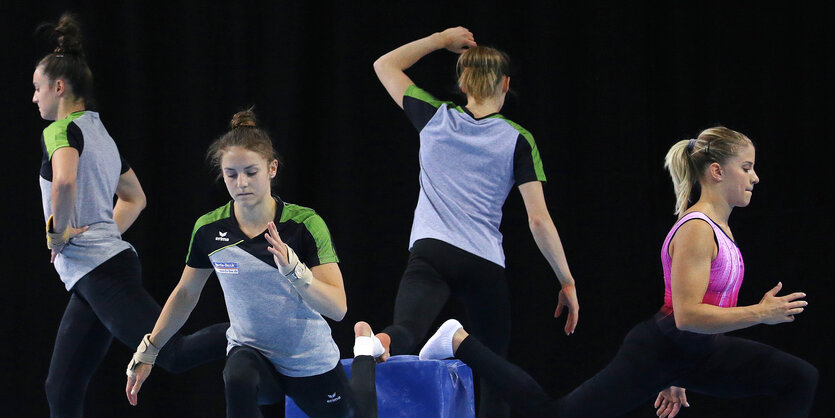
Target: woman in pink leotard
{"x":684,"y":344}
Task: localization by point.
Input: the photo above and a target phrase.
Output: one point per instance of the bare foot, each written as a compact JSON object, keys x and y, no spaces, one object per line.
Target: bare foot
{"x":386,"y":341}
{"x":362,"y":329}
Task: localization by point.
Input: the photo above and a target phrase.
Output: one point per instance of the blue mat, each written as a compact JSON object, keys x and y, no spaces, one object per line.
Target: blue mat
{"x":409,"y":387}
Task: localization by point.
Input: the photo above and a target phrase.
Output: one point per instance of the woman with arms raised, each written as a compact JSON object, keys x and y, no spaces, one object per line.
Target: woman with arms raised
{"x":470,"y":158}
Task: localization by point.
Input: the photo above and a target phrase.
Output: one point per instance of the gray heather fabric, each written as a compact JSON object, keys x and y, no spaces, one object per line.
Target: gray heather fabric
{"x":467,"y":169}
{"x":99,"y":168}
{"x":268,"y":314}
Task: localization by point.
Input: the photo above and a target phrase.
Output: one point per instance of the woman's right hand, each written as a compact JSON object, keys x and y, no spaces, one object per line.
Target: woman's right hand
{"x":140,"y":373}
{"x":778,"y":309}
{"x":457,"y":39}
{"x":567,"y":298}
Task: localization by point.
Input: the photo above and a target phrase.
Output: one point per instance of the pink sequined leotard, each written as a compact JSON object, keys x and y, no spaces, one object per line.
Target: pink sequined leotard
{"x":726,"y":271}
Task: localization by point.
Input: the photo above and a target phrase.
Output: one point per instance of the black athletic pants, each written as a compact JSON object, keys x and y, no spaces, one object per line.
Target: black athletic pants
{"x":651,"y":360}
{"x":251,"y":380}
{"x":110,"y":301}
{"x":436,"y":271}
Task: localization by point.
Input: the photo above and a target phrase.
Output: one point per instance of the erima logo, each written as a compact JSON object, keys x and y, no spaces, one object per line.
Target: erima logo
{"x":222,"y":236}
{"x":333,"y":398}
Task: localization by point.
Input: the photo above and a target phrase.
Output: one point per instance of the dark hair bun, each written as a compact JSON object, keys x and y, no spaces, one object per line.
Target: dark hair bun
{"x":67,"y":35}
{"x":244,"y":118}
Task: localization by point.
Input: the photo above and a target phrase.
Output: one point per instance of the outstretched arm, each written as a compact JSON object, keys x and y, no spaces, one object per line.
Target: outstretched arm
{"x":174,"y":314}
{"x":548,"y":240}
{"x":131,"y":201}
{"x":692,"y":251}
{"x":390,"y":67}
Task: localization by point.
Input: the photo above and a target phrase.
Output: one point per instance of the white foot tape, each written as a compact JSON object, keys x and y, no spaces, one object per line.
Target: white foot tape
{"x":368,"y":346}
{"x":439,"y":345}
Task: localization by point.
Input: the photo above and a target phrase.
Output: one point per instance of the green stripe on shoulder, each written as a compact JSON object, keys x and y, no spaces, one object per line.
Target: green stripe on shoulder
{"x":222,"y":212}
{"x":537,"y":160}
{"x":418,"y":93}
{"x":55,"y":135}
{"x":317,"y":228}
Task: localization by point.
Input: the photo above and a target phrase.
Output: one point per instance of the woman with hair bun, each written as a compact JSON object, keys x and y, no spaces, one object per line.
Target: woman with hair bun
{"x":278,"y":270}
{"x":470,"y":157}
{"x":683,"y":345}
{"x":80,"y":172}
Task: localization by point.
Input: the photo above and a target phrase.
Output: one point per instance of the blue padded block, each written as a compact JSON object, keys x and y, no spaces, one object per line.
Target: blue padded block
{"x":409,"y":387}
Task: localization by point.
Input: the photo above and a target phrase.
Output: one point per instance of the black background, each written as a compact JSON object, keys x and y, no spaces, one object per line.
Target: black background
{"x":606,"y":89}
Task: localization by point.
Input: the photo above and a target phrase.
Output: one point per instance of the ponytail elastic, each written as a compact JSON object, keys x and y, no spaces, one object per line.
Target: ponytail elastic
{"x":691,"y":145}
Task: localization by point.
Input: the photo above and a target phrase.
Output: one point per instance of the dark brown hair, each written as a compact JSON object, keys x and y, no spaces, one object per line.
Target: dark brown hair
{"x":246,"y":134}
{"x":67,"y":61}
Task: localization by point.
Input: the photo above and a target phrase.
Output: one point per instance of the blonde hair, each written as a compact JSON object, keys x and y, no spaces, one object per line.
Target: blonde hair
{"x":480,"y":70}
{"x":687,"y":159}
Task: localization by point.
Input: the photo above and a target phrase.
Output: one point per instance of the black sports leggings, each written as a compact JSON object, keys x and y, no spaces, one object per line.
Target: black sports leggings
{"x":251,"y":380}
{"x":110,"y":301}
{"x":436,"y":271}
{"x":651,"y":360}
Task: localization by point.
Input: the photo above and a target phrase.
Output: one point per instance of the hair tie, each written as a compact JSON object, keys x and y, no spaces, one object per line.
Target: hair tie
{"x":691,"y":145}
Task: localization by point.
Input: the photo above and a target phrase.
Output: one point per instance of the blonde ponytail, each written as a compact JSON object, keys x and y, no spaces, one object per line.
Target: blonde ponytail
{"x":687,"y":160}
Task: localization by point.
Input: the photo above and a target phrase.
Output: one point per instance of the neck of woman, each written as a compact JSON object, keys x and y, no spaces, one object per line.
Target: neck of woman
{"x":68,"y":106}
{"x":712,"y":204}
{"x":484,"y":107}
{"x":255,"y":217}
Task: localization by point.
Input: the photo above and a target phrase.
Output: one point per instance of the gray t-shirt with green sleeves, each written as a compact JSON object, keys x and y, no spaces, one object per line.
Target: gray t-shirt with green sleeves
{"x":99,"y":168}
{"x":265,"y":310}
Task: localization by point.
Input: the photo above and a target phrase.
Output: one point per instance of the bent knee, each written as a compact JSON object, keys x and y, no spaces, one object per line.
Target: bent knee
{"x":807,"y":374}
{"x":236,"y":379}
{"x":797,"y":373}
{"x":240,"y":370}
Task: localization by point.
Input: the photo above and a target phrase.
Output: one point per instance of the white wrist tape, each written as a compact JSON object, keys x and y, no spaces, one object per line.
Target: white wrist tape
{"x":368,"y":346}
{"x":295,"y":271}
{"x":146,"y":353}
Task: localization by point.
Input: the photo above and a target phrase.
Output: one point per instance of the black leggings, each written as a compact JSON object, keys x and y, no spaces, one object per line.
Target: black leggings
{"x":436,"y":271}
{"x":110,"y":301}
{"x":251,"y":380}
{"x":651,"y":360}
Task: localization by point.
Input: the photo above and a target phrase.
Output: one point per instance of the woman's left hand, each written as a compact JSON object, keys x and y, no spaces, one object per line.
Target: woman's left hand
{"x":670,"y":401}
{"x":58,"y":248}
{"x":277,"y":247}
